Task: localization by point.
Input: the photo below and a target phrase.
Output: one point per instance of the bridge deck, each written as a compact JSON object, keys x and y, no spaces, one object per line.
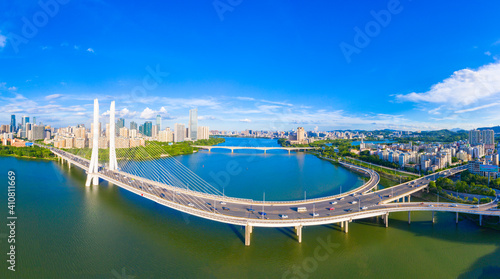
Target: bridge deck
{"x":348,"y":206}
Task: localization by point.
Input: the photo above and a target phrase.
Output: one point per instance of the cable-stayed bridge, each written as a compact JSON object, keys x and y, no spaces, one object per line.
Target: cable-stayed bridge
{"x":153,"y":174}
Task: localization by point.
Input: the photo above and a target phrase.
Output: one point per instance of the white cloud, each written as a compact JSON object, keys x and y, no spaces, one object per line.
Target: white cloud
{"x":90,"y":50}
{"x":487,"y":53}
{"x":3,"y":41}
{"x":147,"y":113}
{"x":277,"y":103}
{"x":245,"y":120}
{"x":53,"y":96}
{"x":477,"y":108}
{"x":125,"y":113}
{"x":435,"y":110}
{"x":206,"y":117}
{"x":464,"y":87}
{"x":13,"y":88}
{"x":245,"y":98}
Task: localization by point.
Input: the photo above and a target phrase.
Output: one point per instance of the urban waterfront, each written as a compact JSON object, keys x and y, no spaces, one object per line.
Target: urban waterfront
{"x":68,"y":230}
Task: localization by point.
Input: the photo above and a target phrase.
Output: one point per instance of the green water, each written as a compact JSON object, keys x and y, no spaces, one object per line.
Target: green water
{"x":66,"y":230}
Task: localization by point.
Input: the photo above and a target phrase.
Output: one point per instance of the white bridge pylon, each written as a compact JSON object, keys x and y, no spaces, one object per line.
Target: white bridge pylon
{"x":113,"y":165}
{"x":94,"y":160}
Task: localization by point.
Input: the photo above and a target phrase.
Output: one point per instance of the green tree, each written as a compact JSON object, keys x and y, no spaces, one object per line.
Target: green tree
{"x":432,"y":185}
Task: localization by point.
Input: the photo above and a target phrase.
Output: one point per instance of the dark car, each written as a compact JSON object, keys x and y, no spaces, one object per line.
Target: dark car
{"x":225,"y":208}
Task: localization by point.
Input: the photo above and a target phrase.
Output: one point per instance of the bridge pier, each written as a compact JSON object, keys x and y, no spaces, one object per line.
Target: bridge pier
{"x":298,"y":230}
{"x":232,"y":150}
{"x":433,"y":217}
{"x":386,"y":219}
{"x":265,"y":151}
{"x":456,"y":219}
{"x":346,"y":228}
{"x":248,"y":232}
{"x":409,"y":217}
{"x":409,"y":198}
{"x":288,"y":151}
{"x":342,"y":224}
{"x":480,"y":220}
{"x":69,"y":164}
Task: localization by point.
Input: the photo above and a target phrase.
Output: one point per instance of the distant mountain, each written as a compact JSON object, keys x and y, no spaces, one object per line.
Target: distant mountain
{"x":496,"y":129}
{"x":457,"y":130}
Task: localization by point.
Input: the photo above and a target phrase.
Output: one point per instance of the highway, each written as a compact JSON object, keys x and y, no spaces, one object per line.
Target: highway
{"x":361,"y":199}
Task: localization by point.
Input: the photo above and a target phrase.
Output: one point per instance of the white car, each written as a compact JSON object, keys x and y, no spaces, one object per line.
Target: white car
{"x":315,"y":214}
{"x":341,"y":198}
{"x":453,"y":205}
{"x":475,"y":206}
{"x":191,"y":204}
{"x":283,"y":216}
{"x":364,"y":208}
{"x":223,"y":202}
{"x":354,"y":202}
{"x":333,"y":202}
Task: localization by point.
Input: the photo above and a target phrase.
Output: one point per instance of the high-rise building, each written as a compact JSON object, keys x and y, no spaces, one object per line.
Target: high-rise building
{"x":141,"y":129}
{"x":120,"y":123}
{"x":165,"y":135}
{"x":13,"y":123}
{"x":300,"y":134}
{"x":148,"y":128}
{"x":203,"y":132}
{"x":193,"y":124}
{"x":107,"y":130}
{"x":92,"y":129}
{"x":133,"y":125}
{"x":475,"y":137}
{"x":38,"y":132}
{"x":124,"y":132}
{"x":488,"y":137}
{"x":158,"y":122}
{"x":24,"y":120}
{"x":133,"y":133}
{"x":179,"y":132}
{"x":80,"y":133}
{"x":154,"y":131}
{"x":34,"y":120}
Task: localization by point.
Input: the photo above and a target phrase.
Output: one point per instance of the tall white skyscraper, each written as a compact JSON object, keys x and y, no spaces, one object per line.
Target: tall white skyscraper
{"x":179,"y":132}
{"x":158,"y":122}
{"x":193,"y":124}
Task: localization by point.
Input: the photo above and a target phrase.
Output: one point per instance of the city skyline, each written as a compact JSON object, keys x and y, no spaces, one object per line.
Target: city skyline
{"x":319,"y":75}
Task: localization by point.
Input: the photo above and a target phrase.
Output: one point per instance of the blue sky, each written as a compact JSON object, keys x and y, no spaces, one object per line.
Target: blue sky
{"x":271,"y":65}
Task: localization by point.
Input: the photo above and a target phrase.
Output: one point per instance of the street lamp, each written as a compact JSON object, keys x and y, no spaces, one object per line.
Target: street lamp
{"x":263,"y":201}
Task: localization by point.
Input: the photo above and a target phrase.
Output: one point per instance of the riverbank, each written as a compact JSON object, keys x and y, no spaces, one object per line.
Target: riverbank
{"x":31,"y":152}
{"x":152,"y":150}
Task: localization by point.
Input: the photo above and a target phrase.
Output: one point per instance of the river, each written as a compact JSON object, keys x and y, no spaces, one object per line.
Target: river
{"x":67,"y":230}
